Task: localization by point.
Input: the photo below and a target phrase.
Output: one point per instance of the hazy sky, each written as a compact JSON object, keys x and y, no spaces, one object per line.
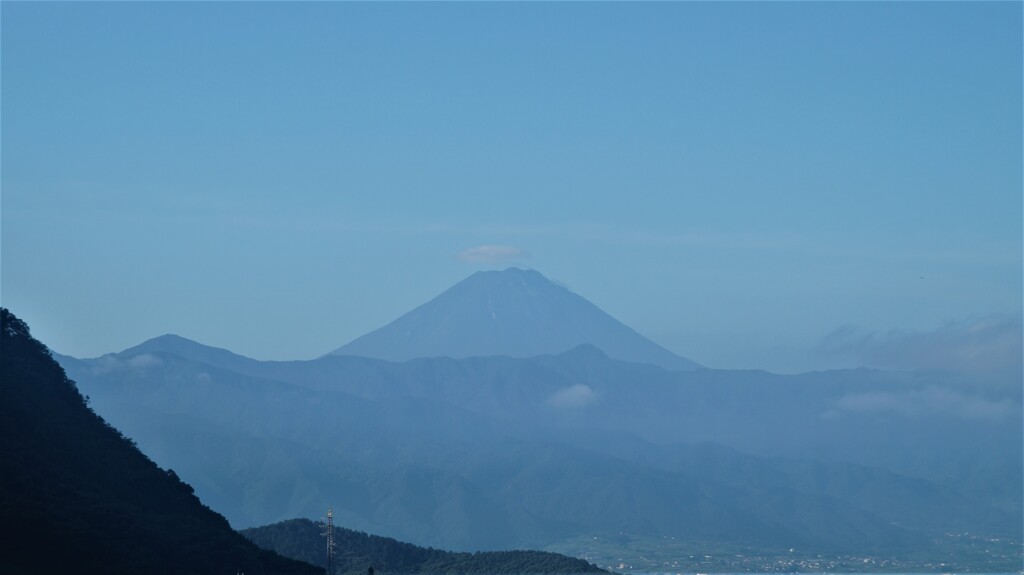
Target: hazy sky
{"x":739,"y":182}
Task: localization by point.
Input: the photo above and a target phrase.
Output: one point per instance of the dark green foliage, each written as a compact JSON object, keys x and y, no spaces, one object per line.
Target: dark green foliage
{"x":76,"y":496}
{"x":357,"y":552}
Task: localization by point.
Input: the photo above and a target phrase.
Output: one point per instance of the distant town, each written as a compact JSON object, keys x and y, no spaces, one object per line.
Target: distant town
{"x":967,"y":553}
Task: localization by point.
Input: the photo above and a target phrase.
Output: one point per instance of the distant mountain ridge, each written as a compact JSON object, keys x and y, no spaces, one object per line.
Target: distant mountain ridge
{"x":516,"y":313}
{"x":500,"y":453}
{"x":183,"y":347}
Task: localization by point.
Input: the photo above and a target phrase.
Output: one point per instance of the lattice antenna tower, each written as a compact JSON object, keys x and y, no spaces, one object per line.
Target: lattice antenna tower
{"x":328,"y":532}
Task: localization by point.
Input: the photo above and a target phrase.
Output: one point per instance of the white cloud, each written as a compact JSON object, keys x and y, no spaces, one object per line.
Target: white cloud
{"x":991,"y":343}
{"x":929,"y":401}
{"x":490,"y":254}
{"x":574,"y":396}
{"x":111,"y":363}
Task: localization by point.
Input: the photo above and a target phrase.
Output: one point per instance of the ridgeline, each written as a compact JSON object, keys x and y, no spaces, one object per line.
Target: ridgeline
{"x":356,"y":552}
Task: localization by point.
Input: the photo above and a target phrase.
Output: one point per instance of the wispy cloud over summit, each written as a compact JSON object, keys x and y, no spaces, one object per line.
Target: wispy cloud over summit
{"x":491,"y":254}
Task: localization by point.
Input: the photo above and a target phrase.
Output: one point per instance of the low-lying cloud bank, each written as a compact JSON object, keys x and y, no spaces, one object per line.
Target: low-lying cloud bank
{"x":930,"y":401}
{"x":111,"y":363}
{"x":574,"y":396}
{"x":991,"y":343}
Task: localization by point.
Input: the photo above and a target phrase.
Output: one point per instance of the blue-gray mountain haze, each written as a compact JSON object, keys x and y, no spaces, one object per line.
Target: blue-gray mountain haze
{"x":502,"y":452}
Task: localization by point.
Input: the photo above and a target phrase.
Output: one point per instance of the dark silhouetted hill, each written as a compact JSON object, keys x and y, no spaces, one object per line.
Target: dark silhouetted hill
{"x":302,"y":539}
{"x":76,"y":496}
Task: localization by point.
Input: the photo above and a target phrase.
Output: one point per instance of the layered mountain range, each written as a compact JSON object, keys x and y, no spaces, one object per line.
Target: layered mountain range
{"x":449,"y":438}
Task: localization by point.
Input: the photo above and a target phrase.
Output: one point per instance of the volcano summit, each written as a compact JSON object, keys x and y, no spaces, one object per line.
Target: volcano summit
{"x":516,"y":313}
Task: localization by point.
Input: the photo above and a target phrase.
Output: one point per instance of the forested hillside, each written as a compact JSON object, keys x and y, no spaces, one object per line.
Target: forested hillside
{"x":357,"y":552}
{"x":77,"y":496}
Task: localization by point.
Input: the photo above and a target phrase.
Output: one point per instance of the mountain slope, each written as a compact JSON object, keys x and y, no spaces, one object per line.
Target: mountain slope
{"x":517,"y":313}
{"x":182,"y":347}
{"x":65,"y":473}
{"x":302,"y":539}
{"x":813,"y":415}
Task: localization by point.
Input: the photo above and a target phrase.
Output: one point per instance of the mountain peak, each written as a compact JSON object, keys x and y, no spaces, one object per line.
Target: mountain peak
{"x":512,"y":274}
{"x":186,"y":348}
{"x":513,"y":312}
{"x":511,"y":270}
{"x":169,"y":343}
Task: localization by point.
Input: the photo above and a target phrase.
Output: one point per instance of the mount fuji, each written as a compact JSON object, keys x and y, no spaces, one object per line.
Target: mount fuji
{"x":516,"y":313}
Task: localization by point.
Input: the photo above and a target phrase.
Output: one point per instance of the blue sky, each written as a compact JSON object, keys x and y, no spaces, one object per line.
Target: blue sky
{"x":736,"y":181}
